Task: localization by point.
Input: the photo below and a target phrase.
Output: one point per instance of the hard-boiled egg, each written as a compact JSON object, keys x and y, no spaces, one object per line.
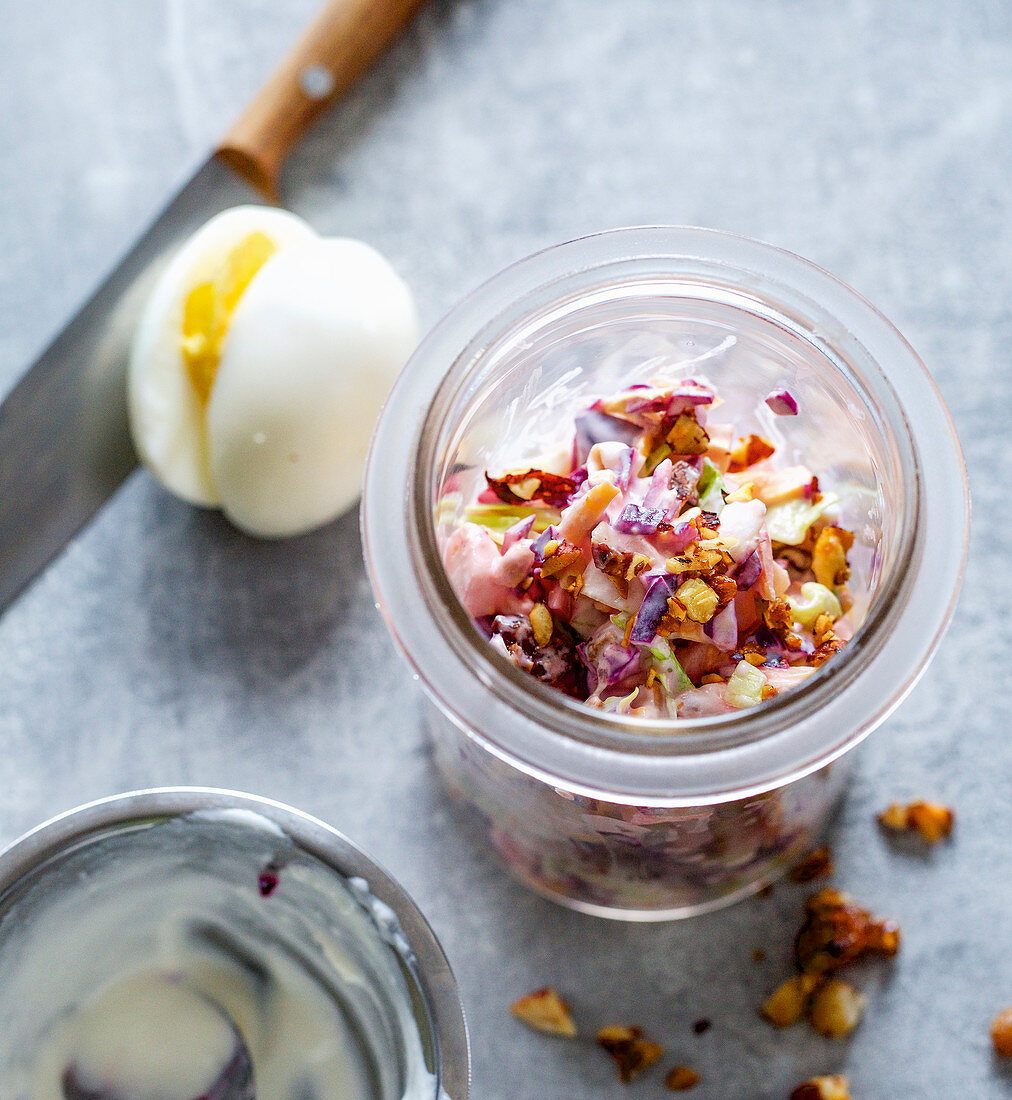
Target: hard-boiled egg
{"x":259,"y":367}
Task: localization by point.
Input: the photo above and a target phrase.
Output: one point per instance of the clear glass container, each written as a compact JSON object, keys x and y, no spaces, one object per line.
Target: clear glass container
{"x":219,"y":921}
{"x":656,"y":819}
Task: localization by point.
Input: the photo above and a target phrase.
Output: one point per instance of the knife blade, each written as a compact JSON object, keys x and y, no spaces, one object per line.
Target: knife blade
{"x":64,"y":435}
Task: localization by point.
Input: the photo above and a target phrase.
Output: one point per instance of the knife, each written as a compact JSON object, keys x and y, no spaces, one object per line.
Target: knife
{"x":64,"y":436}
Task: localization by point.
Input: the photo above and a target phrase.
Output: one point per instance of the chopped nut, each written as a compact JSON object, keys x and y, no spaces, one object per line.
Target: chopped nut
{"x":758,"y":955}
{"x":542,"y":624}
{"x":726,"y":590}
{"x":1001,"y":1033}
{"x":749,"y":451}
{"x":699,"y":600}
{"x":560,"y":554}
{"x":836,"y":1009}
{"x":829,"y":557}
{"x":632,"y":1053}
{"x":574,"y":585}
{"x":544,"y":1010}
{"x":834,"y":1087}
{"x":786,"y":1004}
{"x":767,"y":692}
{"x":527,"y":485}
{"x":837,"y":932}
{"x":687,"y":436}
{"x":822,"y":629}
{"x":930,"y":819}
{"x":681,"y":1078}
{"x":817,"y":863}
{"x":742,"y":494}
{"x":712,"y":678}
{"x":825,"y":651}
{"x":779,"y":619}
{"x":621,"y":566}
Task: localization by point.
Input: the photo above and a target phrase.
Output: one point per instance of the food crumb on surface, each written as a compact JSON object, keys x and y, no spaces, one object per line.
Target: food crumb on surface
{"x":832,"y":1087}
{"x":700,"y":1027}
{"x":837,"y":932}
{"x":930,"y":820}
{"x":836,"y":1009}
{"x":758,"y":955}
{"x":544,"y":1010}
{"x":631,"y":1052}
{"x":681,"y":1078}
{"x":1001,"y":1033}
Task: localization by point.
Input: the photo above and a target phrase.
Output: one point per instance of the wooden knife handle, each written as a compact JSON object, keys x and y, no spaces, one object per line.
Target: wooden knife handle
{"x":340,"y":45}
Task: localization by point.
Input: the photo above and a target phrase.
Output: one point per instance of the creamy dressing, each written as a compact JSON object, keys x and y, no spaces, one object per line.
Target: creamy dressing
{"x":148,"y":963}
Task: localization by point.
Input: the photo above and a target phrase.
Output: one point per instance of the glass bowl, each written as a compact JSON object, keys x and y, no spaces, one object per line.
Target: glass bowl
{"x":241,"y":910}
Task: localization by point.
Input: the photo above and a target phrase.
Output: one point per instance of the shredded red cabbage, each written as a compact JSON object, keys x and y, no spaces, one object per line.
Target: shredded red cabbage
{"x":653,"y":608}
{"x":782,"y":402}
{"x":722,"y":629}
{"x":541,"y":542}
{"x":636,"y":520}
{"x":519,"y":530}
{"x":749,"y":571}
{"x":613,"y":663}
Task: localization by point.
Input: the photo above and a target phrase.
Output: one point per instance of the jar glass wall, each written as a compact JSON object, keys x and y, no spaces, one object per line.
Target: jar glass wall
{"x":658,"y":818}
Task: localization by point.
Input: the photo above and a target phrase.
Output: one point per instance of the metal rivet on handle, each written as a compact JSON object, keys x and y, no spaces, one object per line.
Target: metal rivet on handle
{"x":316,"y":81}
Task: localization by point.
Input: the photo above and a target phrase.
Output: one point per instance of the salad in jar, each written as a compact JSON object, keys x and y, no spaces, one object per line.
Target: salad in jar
{"x":657,"y":563}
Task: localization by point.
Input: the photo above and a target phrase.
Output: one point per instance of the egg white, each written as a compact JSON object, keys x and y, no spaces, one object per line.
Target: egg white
{"x":167,"y":418}
{"x":314,"y":345}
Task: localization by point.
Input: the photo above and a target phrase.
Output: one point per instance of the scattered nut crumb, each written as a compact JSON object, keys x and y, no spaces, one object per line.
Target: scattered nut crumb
{"x":837,"y":932}
{"x":632,"y":1053}
{"x":700,"y":1027}
{"x":834,"y":1087}
{"x":544,"y":1010}
{"x":817,"y":863}
{"x":787,"y":1003}
{"x":836,"y":1009}
{"x":1001,"y":1033}
{"x":681,"y":1078}
{"x":758,"y":955}
{"x":930,"y":819}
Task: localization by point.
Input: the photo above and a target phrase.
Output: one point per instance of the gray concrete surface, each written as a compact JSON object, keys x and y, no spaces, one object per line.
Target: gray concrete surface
{"x":163,"y":647}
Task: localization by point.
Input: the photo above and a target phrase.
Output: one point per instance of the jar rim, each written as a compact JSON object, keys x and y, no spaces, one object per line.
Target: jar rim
{"x":844,"y":320}
{"x":430,"y":974}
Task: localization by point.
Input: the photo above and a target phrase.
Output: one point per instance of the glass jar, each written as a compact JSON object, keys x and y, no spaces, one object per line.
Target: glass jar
{"x":623,"y":816}
{"x":221,"y":934}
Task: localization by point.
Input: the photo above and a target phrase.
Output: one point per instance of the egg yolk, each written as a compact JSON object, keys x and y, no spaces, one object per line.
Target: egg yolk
{"x":208,"y":309}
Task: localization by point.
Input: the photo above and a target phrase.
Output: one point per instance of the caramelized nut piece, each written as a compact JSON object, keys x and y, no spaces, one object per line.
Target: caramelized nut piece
{"x":817,"y":863}
{"x":751,"y":450}
{"x":836,"y":1009}
{"x":1001,"y":1033}
{"x":829,"y":556}
{"x":786,"y":1004}
{"x":837,"y":932}
{"x":834,"y":1087}
{"x":930,"y":819}
{"x":681,"y":1078}
{"x":687,"y":436}
{"x":544,"y":1010}
{"x":632,"y":1053}
{"x":542,"y":624}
